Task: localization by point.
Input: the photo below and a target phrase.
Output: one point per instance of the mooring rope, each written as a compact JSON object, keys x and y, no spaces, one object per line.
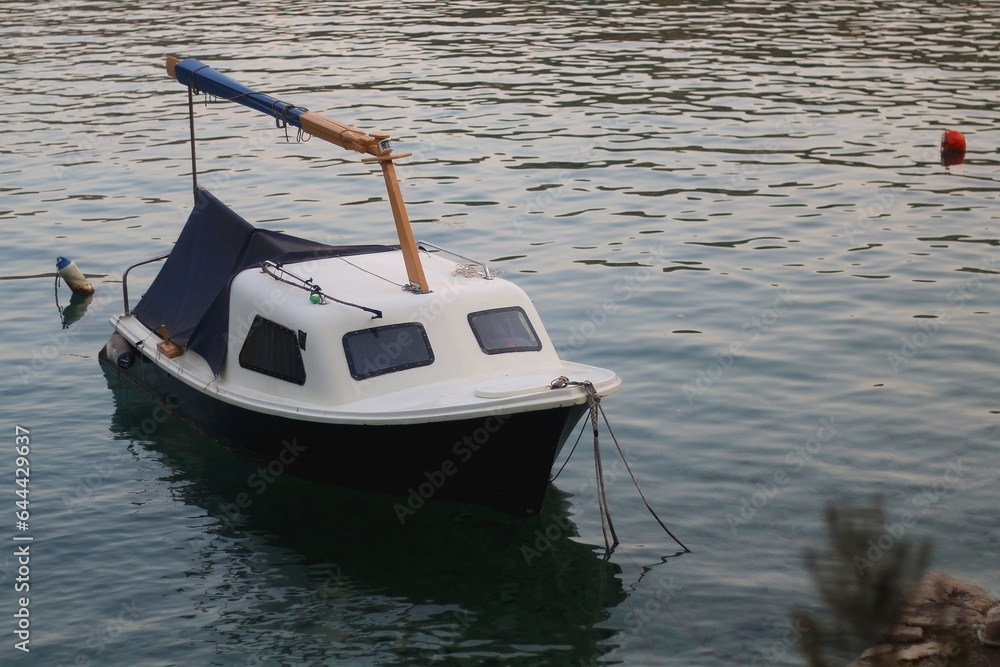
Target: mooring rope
{"x":594,"y":401}
{"x":594,"y":408}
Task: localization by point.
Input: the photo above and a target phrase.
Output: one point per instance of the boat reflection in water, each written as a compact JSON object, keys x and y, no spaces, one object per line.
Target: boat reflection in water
{"x":329,"y":575}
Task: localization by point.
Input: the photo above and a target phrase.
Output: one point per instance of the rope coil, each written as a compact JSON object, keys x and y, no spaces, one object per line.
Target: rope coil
{"x":472,"y":271}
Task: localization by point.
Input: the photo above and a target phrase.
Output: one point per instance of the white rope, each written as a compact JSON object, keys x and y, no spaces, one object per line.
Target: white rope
{"x":472,"y":271}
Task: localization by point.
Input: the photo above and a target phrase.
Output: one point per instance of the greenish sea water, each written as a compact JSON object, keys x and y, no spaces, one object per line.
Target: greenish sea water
{"x":739,"y":207}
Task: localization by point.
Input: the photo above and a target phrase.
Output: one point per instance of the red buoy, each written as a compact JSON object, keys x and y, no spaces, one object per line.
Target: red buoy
{"x":952,"y":148}
{"x":953,"y":140}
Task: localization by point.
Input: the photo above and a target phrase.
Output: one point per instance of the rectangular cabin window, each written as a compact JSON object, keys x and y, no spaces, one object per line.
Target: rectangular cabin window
{"x":504,"y":330}
{"x":273,"y":350}
{"x":387,"y":349}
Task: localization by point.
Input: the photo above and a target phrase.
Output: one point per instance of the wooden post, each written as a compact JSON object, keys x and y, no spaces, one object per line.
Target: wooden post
{"x":411,"y":257}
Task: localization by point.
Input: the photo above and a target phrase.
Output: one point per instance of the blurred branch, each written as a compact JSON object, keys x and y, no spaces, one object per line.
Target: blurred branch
{"x":862,"y":578}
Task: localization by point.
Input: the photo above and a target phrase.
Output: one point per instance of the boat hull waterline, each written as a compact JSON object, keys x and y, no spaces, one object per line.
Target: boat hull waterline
{"x":501,"y":461}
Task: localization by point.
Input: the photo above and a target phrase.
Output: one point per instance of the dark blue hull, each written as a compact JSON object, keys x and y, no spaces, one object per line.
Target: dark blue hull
{"x":501,"y":461}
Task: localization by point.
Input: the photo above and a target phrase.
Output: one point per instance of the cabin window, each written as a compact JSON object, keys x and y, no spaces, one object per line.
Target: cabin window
{"x":504,"y":330}
{"x":273,"y":350}
{"x":387,"y":349}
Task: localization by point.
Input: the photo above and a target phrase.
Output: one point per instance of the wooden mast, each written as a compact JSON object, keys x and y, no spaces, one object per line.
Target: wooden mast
{"x":376,"y":144}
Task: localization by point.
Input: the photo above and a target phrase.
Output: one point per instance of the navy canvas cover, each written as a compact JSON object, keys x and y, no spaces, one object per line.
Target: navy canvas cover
{"x":190,"y":294}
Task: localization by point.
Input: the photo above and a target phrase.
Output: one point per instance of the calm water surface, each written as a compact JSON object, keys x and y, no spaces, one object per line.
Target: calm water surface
{"x":739,"y":207}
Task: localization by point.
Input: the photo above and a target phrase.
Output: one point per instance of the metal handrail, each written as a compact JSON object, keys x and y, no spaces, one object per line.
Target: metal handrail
{"x":128,"y":311}
{"x":486,"y":269}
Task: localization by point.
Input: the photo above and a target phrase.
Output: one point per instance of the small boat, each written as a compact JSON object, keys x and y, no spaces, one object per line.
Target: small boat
{"x":405,"y":369}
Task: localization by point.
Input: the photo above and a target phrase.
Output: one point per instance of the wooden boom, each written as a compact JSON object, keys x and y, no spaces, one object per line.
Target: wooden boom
{"x":199,"y":76}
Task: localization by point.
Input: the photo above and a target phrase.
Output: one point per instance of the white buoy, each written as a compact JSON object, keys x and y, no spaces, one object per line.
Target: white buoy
{"x":69,"y":272}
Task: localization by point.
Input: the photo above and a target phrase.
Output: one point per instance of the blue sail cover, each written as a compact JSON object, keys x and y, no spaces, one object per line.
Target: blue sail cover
{"x":194,"y":73}
{"x":191,"y":292}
